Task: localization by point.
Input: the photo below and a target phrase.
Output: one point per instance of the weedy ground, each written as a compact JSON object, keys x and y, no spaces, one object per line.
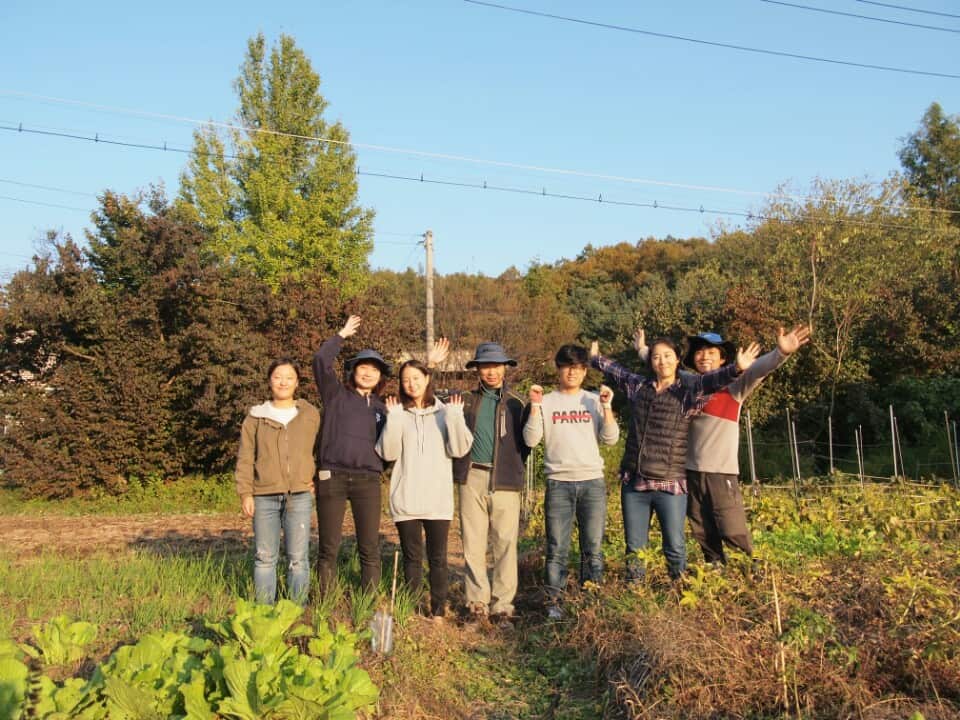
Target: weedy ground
{"x":852,"y":612}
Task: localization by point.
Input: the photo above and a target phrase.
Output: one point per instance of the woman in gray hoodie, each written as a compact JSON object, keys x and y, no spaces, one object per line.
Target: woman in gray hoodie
{"x":420,"y":437}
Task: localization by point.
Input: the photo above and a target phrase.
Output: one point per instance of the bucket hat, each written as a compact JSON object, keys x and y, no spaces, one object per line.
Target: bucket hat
{"x":490,"y":352}
{"x":371,"y":356}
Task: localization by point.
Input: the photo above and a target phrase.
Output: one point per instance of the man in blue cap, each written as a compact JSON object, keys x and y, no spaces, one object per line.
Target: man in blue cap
{"x":715,"y":503}
{"x":490,"y":478}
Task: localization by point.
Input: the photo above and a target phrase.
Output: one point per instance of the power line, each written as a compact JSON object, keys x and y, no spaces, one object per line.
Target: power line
{"x":860,"y":17}
{"x":483,"y":185}
{"x":47,"y":187}
{"x":908,"y":9}
{"x":67,"y":132}
{"x":45,"y":204}
{"x":711,"y":43}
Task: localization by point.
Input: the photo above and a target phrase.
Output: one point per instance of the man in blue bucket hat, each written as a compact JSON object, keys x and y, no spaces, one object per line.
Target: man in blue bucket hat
{"x":490,"y":478}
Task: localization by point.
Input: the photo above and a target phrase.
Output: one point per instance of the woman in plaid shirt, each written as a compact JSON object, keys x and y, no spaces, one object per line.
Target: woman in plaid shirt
{"x":653,"y":469}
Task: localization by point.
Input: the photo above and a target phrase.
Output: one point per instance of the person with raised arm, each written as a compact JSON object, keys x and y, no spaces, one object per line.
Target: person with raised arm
{"x":571,"y":422}
{"x":421,"y":437}
{"x":275,"y":470}
{"x":653,"y":468}
{"x":715,"y":508}
{"x":353,"y":416}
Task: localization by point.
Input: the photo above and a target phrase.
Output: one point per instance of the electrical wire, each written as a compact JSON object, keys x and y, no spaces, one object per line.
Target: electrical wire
{"x":712,"y":43}
{"x":485,"y":186}
{"x":908,"y":9}
{"x":44,"y":204}
{"x":69,"y":132}
{"x":860,"y":17}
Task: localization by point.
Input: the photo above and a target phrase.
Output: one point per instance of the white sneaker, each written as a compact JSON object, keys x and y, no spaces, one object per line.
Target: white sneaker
{"x":554,"y":613}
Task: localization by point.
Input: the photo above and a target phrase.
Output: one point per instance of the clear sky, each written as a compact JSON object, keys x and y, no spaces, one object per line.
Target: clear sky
{"x":674,"y":119}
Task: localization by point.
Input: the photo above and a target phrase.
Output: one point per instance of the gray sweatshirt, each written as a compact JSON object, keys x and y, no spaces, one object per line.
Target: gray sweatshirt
{"x":570,"y":426}
{"x":714,"y":440}
{"x":422,"y":442}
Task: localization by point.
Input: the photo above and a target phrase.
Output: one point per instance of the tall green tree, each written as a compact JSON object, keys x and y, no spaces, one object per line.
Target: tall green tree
{"x":279,"y":195}
{"x":931,"y":159}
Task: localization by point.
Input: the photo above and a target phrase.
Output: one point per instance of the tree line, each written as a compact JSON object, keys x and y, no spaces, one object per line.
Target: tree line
{"x":136,"y":354}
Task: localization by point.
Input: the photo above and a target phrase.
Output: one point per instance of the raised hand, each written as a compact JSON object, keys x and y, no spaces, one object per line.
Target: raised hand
{"x":536,"y":394}
{"x":438,"y":353}
{"x":391,"y":402}
{"x":606,"y":396}
{"x":594,"y":349}
{"x":746,"y":356}
{"x":455,"y":399}
{"x":789,"y":343}
{"x":350,"y":328}
{"x":640,"y":342}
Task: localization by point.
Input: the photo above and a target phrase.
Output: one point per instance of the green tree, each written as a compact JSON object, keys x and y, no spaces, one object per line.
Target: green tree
{"x":279,"y":196}
{"x":931,"y":159}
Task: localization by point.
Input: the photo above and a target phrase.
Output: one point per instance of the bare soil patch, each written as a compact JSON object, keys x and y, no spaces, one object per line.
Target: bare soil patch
{"x":23,"y":536}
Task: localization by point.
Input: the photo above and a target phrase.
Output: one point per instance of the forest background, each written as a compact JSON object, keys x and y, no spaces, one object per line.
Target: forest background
{"x":135,"y":354}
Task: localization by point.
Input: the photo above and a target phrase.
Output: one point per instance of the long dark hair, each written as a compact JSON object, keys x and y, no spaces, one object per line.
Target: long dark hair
{"x":283,"y":360}
{"x":349,"y":381}
{"x":428,"y":396}
{"x":661,"y":341}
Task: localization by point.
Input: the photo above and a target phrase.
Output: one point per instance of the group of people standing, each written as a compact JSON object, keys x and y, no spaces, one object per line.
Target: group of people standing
{"x":680,"y":460}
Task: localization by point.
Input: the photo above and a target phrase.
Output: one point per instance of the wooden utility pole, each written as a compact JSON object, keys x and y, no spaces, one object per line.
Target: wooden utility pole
{"x":428,"y":246}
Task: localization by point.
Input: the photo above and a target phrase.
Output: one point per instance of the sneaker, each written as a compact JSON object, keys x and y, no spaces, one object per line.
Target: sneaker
{"x":503,"y":620}
{"x":554,"y":613}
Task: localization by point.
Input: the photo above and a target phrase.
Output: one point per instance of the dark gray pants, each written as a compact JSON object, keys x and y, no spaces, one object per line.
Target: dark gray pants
{"x":716,"y":514}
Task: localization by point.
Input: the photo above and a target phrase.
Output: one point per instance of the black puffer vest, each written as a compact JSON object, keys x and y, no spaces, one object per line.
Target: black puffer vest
{"x":657,"y":435}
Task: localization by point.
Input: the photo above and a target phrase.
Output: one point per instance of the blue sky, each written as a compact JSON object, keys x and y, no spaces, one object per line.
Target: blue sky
{"x":445,"y":77}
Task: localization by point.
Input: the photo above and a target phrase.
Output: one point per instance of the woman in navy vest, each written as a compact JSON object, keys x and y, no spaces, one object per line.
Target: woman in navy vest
{"x":653,"y":470}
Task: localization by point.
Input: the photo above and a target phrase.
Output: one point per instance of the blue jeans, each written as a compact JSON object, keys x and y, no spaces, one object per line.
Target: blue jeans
{"x":587,"y":501}
{"x":292,"y":512}
{"x":671,"y":510}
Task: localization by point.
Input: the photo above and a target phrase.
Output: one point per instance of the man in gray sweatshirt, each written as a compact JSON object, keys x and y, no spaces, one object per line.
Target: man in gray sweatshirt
{"x":570,"y":421}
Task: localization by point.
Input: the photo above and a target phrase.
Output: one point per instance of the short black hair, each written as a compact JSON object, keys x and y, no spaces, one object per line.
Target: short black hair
{"x":572,"y":355}
{"x":283,"y":361}
{"x":668,"y":342}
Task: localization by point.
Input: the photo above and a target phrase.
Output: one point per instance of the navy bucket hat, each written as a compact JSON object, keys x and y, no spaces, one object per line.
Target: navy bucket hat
{"x":490,"y":352}
{"x":709,"y":339}
{"x":370,"y":356}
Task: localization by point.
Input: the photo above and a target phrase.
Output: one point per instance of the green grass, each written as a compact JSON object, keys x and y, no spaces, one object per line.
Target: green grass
{"x":195,"y":494}
{"x":127,"y":596}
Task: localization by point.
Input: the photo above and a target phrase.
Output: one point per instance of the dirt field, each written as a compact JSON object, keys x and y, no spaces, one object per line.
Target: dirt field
{"x":28,"y":536}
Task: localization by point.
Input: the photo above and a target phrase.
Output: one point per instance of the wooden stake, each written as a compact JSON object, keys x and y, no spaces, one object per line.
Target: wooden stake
{"x":782,"y":654}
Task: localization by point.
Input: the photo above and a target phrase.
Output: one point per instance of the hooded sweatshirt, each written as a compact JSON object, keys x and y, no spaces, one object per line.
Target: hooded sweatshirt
{"x":421,"y":442}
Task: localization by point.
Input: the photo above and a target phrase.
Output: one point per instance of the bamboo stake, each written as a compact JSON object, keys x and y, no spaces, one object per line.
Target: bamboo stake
{"x":893,"y":443}
{"x":953,"y":459}
{"x":896,"y":431}
{"x":956,"y":449}
{"x":782,"y":654}
{"x":830,"y":439}
{"x":856,"y":441}
{"x":753,"y":462}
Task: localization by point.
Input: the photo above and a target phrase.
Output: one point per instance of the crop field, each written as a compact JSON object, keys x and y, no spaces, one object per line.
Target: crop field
{"x":854,"y":612}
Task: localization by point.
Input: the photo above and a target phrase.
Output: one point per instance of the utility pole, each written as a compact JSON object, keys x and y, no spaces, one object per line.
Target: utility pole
{"x":428,"y":246}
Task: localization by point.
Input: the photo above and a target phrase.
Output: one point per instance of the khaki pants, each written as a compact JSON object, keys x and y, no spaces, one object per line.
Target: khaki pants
{"x":494,"y":517}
